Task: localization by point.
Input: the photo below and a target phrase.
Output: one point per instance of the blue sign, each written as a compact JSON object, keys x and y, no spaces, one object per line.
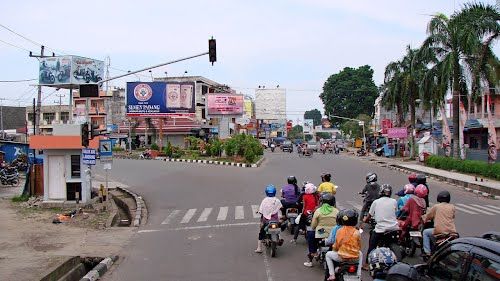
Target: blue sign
{"x":88,"y":156}
{"x":105,"y":148}
{"x":156,"y":99}
{"x":12,"y":150}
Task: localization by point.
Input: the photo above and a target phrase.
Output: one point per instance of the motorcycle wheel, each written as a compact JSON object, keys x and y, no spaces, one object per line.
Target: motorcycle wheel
{"x":273,"y":248}
{"x":292,"y":228}
{"x":412,"y":249}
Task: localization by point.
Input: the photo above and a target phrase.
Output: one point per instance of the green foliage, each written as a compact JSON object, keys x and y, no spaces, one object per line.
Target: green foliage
{"x":353,"y":128}
{"x":193,"y":142}
{"x":308,"y":137}
{"x":323,"y":135}
{"x":349,"y":93}
{"x":244,"y":146}
{"x":480,"y":168}
{"x":20,"y":198}
{"x":315,"y":115}
{"x":168,"y":149}
{"x":117,"y":148}
{"x":296,"y":132}
{"x":154,"y":146}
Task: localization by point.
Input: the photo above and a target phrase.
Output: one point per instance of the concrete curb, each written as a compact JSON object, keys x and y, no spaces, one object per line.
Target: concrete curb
{"x":140,"y":211}
{"x":100,"y":269}
{"x":213,"y":162}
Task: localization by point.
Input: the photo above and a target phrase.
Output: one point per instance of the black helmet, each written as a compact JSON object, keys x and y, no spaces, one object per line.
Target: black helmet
{"x":291,"y":180}
{"x":350,"y":217}
{"x":402,"y":272}
{"x":340,"y":214}
{"x":326,"y":177}
{"x":371,"y":177}
{"x":328,"y":198}
{"x":421,"y":179}
{"x":444,"y":196}
{"x":386,"y":190}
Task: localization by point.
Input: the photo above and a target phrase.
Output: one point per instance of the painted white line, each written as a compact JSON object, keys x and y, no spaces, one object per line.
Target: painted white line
{"x":239,"y":213}
{"x":255,"y":210}
{"x":222,"y":213}
{"x":169,"y":218}
{"x":267,"y":265}
{"x":486,"y":208}
{"x":204,"y":215}
{"x":216,"y":226}
{"x":493,"y":207}
{"x":465,"y":211}
{"x":355,"y":205}
{"x":148,"y":230}
{"x":189,"y":214}
{"x":474,"y":209}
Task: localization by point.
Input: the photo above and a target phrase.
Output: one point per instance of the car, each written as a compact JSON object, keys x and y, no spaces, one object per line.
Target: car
{"x":313,"y":145}
{"x":468,"y":258}
{"x":287,"y":146}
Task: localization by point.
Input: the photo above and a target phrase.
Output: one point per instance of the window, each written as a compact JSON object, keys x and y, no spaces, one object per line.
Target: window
{"x":49,"y":117}
{"x":449,"y":266}
{"x":31,"y":116}
{"x":483,"y":269}
{"x":65,"y":117}
{"x":75,"y":166}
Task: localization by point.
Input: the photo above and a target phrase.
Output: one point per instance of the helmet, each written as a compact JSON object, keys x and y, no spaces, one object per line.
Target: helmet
{"x":421,"y":179}
{"x":380,"y":260}
{"x":386,"y":190}
{"x":409,"y":188}
{"x":350,"y":217}
{"x":371,"y":177}
{"x":291,"y":180}
{"x":412,"y":178}
{"x":444,"y":196}
{"x":421,"y":191}
{"x":339,"y":219}
{"x":309,"y":188}
{"x":328,"y":198}
{"x":270,"y":190}
{"x":326,"y":177}
{"x":402,"y":272}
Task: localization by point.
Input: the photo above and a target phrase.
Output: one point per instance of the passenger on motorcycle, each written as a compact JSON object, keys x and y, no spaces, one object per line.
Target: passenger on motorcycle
{"x":380,"y":261}
{"x":347,"y":246}
{"x":443,"y":215}
{"x":371,"y":192}
{"x":326,"y":186}
{"x":383,"y":210}
{"x":409,"y":189}
{"x":411,"y":213}
{"x":290,"y":194}
{"x":324,"y":219}
{"x":309,"y":201}
{"x":421,"y":179}
{"x":269,"y":209}
{"x":412,"y":178}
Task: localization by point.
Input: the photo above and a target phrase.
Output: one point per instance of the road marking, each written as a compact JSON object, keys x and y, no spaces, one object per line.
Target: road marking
{"x":355,"y":205}
{"x":267,"y":265}
{"x":204,"y":215}
{"x":216,"y":226}
{"x":171,"y":216}
{"x":148,"y":230}
{"x":475,"y":210}
{"x":464,"y":210}
{"x":222,"y":213}
{"x":493,"y":207}
{"x":255,"y":211}
{"x":239,"y":213}
{"x":486,"y":208}
{"x":189,"y":214}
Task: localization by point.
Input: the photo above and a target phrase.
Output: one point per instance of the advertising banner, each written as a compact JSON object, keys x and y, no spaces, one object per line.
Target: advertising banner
{"x":157,"y":99}
{"x":308,"y":126}
{"x":70,"y":70}
{"x":225,"y":104}
{"x":397,"y":133}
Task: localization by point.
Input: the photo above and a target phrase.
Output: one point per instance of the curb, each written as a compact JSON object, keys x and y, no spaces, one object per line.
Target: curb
{"x":100,"y":269}
{"x":213,"y":162}
{"x":141,"y":209}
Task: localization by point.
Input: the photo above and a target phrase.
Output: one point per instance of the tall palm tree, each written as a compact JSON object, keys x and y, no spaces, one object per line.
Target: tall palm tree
{"x":393,"y":95}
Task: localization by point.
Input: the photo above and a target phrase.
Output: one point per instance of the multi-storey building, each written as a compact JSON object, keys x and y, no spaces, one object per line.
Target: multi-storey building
{"x":50,"y":115}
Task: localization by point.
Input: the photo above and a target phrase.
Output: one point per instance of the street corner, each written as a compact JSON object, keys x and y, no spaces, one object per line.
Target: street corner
{"x":217,"y":162}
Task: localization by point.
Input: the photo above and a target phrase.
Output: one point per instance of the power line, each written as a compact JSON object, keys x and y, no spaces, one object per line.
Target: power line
{"x":28,"y":39}
{"x":17,"y":81}
{"x":15,"y":46}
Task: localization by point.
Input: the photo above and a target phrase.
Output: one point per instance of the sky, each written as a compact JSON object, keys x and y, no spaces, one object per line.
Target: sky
{"x":296,"y":44}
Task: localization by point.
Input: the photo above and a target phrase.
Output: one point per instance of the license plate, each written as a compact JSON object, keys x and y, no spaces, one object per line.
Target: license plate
{"x":351,"y":278}
{"x":273,"y":230}
{"x":415,"y":234}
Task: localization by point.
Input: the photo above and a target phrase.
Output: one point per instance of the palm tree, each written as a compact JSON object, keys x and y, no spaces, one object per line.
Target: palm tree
{"x":451,"y":40}
{"x":393,"y":95}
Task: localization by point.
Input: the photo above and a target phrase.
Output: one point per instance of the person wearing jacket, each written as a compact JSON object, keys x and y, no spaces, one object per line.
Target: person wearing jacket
{"x":269,"y":209}
{"x":413,"y":211}
{"x":309,"y":202}
{"x":409,"y":189}
{"x":290,"y":194}
{"x":371,"y":192}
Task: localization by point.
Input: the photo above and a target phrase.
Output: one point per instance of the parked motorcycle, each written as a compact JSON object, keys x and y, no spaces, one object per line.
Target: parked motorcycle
{"x":272,"y":239}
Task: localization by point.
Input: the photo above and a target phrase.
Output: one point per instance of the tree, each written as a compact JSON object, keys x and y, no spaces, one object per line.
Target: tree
{"x":350,"y":93}
{"x":296,"y":132}
{"x":353,"y":128}
{"x":315,"y":115}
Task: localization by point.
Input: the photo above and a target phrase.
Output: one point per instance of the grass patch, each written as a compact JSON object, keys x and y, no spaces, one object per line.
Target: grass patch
{"x":20,"y":198}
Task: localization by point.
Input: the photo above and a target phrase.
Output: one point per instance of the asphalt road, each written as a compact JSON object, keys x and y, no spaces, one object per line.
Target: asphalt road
{"x":201,"y":224}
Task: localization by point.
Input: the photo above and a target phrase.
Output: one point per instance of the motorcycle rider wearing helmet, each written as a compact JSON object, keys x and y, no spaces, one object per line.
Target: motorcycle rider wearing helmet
{"x":326,"y":185}
{"x":347,"y":244}
{"x":383,"y":210}
{"x":412,"y":178}
{"x":269,"y":209}
{"x":380,"y":261}
{"x":409,"y":189}
{"x":421,"y":179}
{"x":371,"y":191}
{"x":413,"y":211}
{"x":290,"y":194}
{"x":443,"y":214}
{"x":309,"y":202}
{"x":324,"y":219}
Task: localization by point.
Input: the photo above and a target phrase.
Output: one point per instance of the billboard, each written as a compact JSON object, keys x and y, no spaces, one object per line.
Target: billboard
{"x":224,"y":104}
{"x":157,"y":99}
{"x":270,"y":104}
{"x":70,"y":70}
{"x":308,"y":126}
{"x":397,"y":133}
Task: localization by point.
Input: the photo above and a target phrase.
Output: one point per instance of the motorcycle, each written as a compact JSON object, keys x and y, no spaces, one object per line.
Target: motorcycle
{"x":273,"y":147}
{"x":291,"y":214}
{"x":361,"y":152}
{"x":323,"y":149}
{"x":9,"y":176}
{"x":345,"y":270}
{"x":379,"y":151}
{"x":272,"y":239}
{"x":412,"y":241}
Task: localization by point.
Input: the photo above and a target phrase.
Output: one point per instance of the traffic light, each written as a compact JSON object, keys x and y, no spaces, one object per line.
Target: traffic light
{"x":95,"y":131}
{"x":212,"y":52}
{"x":85,"y":134}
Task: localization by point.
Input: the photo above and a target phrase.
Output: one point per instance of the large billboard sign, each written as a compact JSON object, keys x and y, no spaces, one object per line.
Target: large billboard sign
{"x":308,"y":126}
{"x":224,"y":104}
{"x":270,"y":104}
{"x":70,"y":70}
{"x":397,"y":133}
{"x":157,"y":99}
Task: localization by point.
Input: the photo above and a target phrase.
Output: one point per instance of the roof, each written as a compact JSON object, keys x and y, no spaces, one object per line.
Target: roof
{"x":487,"y":244}
{"x":60,"y":142}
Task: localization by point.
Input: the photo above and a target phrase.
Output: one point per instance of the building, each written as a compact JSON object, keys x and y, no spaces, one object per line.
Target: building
{"x":117,"y":106}
{"x":50,"y":115}
{"x":476,"y":133}
{"x":97,"y":110}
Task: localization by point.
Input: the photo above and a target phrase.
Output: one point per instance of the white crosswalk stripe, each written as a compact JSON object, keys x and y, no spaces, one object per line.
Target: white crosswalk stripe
{"x":239,"y":213}
{"x":494,"y":207}
{"x":255,"y":211}
{"x":474,"y":209}
{"x":204,"y":215}
{"x":486,"y":208}
{"x":189,"y":214}
{"x":222,"y":213}
{"x":463,"y":210}
{"x":171,"y":216}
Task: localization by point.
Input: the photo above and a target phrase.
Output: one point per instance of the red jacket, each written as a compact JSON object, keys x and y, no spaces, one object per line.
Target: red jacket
{"x":310,"y":203}
{"x":415,"y":208}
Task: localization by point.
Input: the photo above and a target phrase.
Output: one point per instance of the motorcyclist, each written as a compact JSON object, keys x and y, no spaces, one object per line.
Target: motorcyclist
{"x":347,"y":244}
{"x":371,"y":192}
{"x":290,"y":194}
{"x":309,"y":202}
{"x":412,"y":178}
{"x":443,"y":215}
{"x":324,"y":219}
{"x":269,"y":209}
{"x":326,"y":186}
{"x":380,"y":261}
{"x":383,"y":210}
{"x":413,"y":211}
{"x":421,"y":179}
{"x":409,"y":189}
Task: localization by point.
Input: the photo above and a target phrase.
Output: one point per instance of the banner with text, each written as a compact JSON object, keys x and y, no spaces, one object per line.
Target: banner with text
{"x":397,"y":133}
{"x":225,"y":104}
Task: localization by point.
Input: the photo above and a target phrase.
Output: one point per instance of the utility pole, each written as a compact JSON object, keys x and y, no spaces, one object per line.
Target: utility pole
{"x":39,"y":97}
{"x":1,"y":117}
{"x":60,"y":96}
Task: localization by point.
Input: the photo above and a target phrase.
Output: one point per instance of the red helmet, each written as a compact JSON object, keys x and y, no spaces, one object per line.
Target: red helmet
{"x":412,"y":178}
{"x":421,"y":191}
